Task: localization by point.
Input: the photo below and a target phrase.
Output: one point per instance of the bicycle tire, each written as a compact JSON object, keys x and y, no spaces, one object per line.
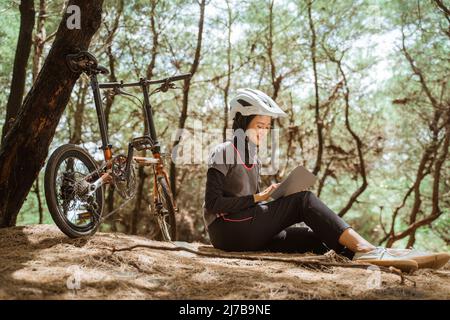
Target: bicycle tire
{"x":168,"y":204}
{"x":58,"y":156}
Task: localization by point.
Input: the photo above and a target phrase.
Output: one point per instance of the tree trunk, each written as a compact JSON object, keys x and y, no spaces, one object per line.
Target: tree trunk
{"x":25,"y":148}
{"x":136,"y":213}
{"x":112,"y":60}
{"x":79,"y":114}
{"x":38,"y":197}
{"x":110,"y":206}
{"x":112,"y":78}
{"x":319,"y":123}
{"x":38,"y":44}
{"x":186,"y":88}
{"x":24,"y":42}
{"x":226,"y":91}
{"x":39,"y":39}
{"x":359,"y":147}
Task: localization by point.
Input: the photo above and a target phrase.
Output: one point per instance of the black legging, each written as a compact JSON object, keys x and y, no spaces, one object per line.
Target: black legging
{"x":269,"y":226}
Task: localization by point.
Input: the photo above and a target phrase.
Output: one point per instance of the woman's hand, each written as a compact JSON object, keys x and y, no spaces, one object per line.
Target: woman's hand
{"x":265,"y":194}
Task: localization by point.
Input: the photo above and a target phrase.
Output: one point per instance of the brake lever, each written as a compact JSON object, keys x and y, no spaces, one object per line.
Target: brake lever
{"x":117,"y":91}
{"x":155,"y":91}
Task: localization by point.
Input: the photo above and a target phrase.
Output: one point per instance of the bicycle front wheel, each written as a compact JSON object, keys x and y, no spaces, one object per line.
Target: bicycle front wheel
{"x":166,"y":214}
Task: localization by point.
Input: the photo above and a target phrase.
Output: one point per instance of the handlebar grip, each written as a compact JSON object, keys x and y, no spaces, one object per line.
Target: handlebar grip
{"x":170,"y":79}
{"x":180,"y":77}
{"x":109,"y":85}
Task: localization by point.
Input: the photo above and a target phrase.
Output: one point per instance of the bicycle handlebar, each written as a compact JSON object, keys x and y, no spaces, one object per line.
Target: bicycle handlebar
{"x":112,"y":85}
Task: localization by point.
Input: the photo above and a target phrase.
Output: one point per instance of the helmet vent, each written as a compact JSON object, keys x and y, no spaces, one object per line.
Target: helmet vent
{"x":244,"y":103}
{"x":266,"y":101}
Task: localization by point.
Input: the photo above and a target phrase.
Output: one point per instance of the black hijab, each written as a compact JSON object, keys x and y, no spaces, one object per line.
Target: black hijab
{"x":240,"y":125}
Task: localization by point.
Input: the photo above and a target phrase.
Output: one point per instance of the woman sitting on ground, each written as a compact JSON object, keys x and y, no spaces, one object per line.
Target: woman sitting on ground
{"x":238,"y":217}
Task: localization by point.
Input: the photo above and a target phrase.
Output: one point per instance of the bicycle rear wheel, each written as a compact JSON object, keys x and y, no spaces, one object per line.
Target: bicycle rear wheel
{"x":69,"y":171}
{"x":166,"y":212}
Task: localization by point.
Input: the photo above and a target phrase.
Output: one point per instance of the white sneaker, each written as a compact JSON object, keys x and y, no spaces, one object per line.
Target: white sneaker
{"x":382,"y":257}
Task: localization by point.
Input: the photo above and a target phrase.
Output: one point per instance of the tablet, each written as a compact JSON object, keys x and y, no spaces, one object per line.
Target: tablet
{"x":300,"y":179}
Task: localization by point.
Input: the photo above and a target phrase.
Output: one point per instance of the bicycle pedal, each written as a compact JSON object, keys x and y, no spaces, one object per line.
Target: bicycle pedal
{"x":142,"y":143}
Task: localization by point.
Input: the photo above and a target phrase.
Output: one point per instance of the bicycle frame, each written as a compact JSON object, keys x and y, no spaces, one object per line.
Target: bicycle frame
{"x":148,"y":115}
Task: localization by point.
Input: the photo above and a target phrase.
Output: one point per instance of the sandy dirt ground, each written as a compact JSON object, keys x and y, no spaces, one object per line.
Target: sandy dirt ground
{"x":39,"y":262}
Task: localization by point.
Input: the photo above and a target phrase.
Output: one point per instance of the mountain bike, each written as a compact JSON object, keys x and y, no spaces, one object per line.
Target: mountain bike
{"x":75,"y":183}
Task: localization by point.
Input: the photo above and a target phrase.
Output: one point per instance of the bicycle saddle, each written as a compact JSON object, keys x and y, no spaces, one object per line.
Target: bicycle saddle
{"x":102,"y":70}
{"x":84,"y":61}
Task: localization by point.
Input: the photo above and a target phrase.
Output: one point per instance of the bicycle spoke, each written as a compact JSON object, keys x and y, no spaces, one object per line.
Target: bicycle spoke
{"x":72,"y":205}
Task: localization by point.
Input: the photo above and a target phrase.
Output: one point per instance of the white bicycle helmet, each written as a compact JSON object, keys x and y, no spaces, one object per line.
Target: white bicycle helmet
{"x":252,"y":101}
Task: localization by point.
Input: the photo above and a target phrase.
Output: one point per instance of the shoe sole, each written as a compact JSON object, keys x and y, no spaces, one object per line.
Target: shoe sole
{"x":403,"y":265}
{"x":433,"y":261}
